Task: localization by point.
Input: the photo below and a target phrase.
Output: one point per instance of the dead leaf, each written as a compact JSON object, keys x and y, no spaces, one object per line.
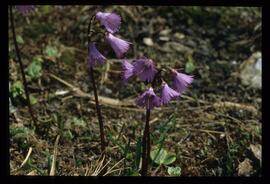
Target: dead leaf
{"x":257,"y":151}
{"x":245,"y":168}
{"x":32,"y":173}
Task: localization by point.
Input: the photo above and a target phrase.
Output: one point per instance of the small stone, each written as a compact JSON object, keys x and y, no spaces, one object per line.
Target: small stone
{"x":179,"y":36}
{"x":164,"y":38}
{"x":148,"y":41}
{"x":250,"y":71}
{"x":222,"y":136}
{"x":165,"y":32}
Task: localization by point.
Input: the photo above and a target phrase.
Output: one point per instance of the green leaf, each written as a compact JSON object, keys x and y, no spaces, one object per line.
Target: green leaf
{"x":120,"y":145}
{"x":158,"y":156}
{"x":33,"y":99}
{"x":79,"y":122}
{"x":52,"y":52}
{"x":38,"y":58}
{"x":174,"y":171}
{"x":162,"y":157}
{"x":17,"y":89}
{"x":34,"y":70}
{"x":189,"y":67}
{"x":70,"y":135}
{"x":135,"y":173}
{"x":18,"y":130}
{"x":138,"y":153}
{"x":169,"y":159}
{"x":46,"y":9}
{"x":19,"y":39}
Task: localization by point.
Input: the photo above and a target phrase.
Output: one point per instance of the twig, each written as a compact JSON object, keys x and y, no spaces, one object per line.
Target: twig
{"x":102,"y":99}
{"x":98,"y":168}
{"x":206,"y":131}
{"x":236,"y":105}
{"x":127,"y":104}
{"x":25,"y":160}
{"x":52,"y":172}
{"x":156,"y":170}
{"x":105,"y":165}
{"x":109,"y":170}
{"x":116,"y":170}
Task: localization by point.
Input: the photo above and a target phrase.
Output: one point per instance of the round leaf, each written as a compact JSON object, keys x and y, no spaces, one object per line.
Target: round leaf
{"x":162,"y":157}
{"x":169,"y":159}
{"x":174,"y":171}
{"x":158,"y":156}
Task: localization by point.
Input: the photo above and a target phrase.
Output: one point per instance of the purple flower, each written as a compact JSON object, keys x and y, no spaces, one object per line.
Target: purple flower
{"x":111,"y":21}
{"x":94,"y":56}
{"x":145,"y":69}
{"x":118,"y":45}
{"x":127,"y":70}
{"x":181,"y":81}
{"x":25,"y":8}
{"x":148,"y":99}
{"x":167,"y":93}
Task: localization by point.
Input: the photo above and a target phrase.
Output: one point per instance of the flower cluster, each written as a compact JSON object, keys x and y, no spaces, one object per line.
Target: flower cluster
{"x":25,"y":8}
{"x":111,"y":22}
{"x":143,"y":68}
{"x":146,"y":71}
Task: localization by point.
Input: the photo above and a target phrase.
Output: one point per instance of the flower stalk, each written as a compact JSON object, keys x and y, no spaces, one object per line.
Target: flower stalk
{"x":17,"y":50}
{"x":146,"y":145}
{"x":91,"y":75}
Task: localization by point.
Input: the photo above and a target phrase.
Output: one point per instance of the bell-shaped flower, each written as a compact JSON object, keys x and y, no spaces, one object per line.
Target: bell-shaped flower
{"x":127,"y":70}
{"x":148,"y":99}
{"x":167,"y":94}
{"x":94,"y":56}
{"x":181,"y":81}
{"x":145,"y":69}
{"x":111,"y":21}
{"x":118,"y":45}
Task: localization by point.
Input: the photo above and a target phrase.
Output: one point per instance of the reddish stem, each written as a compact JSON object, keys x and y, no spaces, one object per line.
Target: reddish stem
{"x":146,"y":145}
{"x":91,"y":74}
{"x":21,"y":66}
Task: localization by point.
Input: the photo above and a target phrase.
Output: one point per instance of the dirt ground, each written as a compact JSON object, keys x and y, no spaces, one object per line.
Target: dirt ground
{"x":214,"y":129}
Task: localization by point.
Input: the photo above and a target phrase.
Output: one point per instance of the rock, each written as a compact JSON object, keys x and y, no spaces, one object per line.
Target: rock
{"x":105,"y":90}
{"x":250,"y":71}
{"x":165,"y":32}
{"x":245,"y":168}
{"x":164,"y":38}
{"x":179,"y":36}
{"x":170,"y":46}
{"x":148,"y":41}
